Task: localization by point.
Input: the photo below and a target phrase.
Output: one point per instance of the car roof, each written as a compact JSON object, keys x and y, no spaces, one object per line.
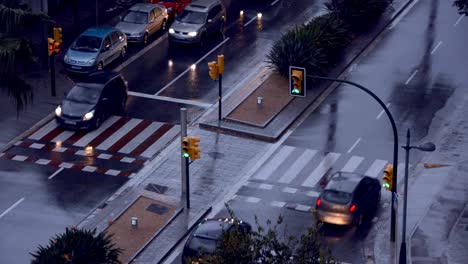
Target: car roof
{"x":344,"y":181}
{"x":143,"y":7}
{"x":201,"y":5}
{"x":100,"y":32}
{"x":98,"y":78}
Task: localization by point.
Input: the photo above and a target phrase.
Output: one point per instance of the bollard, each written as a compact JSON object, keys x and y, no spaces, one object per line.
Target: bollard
{"x":135,"y":222}
{"x":259,"y":101}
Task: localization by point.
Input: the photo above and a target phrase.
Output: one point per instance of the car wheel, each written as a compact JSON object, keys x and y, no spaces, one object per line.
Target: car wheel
{"x":97,"y":123}
{"x":100,"y":66}
{"x":123,"y":52}
{"x":145,"y":39}
{"x":163,"y":25}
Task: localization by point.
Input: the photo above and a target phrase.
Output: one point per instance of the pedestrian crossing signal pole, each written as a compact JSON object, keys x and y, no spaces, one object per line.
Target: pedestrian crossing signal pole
{"x":184,"y":156}
{"x":216,"y":70}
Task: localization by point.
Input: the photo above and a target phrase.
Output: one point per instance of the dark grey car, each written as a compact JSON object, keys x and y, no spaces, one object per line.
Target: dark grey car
{"x":199,"y":19}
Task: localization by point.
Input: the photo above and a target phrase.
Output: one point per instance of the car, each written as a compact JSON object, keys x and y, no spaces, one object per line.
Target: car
{"x":143,"y":20}
{"x":95,"y":48}
{"x":174,"y":7}
{"x":348,"y":199}
{"x":203,"y":240}
{"x":199,"y":19}
{"x":91,"y":101}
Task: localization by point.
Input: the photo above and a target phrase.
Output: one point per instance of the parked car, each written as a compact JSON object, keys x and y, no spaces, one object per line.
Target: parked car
{"x":94,"y":49}
{"x":174,"y":7}
{"x":143,"y":20}
{"x":348,"y":199}
{"x":206,"y":235}
{"x":90,"y":102}
{"x":199,"y":19}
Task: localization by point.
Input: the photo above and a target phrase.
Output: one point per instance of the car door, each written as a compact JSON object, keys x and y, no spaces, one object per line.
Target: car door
{"x":105,"y":102}
{"x":158,"y":18}
{"x":152,"y":22}
{"x":213,"y":14}
{"x":106,"y":52}
{"x":116,"y":47}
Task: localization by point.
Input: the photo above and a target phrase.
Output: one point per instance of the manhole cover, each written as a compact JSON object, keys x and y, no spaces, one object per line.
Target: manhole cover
{"x":216,"y":155}
{"x":157,"y":209}
{"x":156,"y":188}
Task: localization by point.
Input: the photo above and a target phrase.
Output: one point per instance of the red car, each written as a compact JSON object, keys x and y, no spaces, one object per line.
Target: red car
{"x":174,"y":7}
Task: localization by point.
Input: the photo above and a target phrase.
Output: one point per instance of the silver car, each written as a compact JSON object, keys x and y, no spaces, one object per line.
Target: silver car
{"x":142,"y":20}
{"x":94,"y":49}
{"x":198,"y":20}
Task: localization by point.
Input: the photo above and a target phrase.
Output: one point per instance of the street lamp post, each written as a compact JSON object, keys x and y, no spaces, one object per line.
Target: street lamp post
{"x":428,"y":146}
{"x":395,"y":149}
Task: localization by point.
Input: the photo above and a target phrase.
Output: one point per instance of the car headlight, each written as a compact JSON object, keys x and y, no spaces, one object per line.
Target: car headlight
{"x":192,"y":34}
{"x":58,"y":111}
{"x":91,"y":61}
{"x":88,"y":116}
{"x":171,"y":31}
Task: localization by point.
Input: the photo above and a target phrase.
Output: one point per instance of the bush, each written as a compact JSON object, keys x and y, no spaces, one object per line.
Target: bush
{"x":78,"y":246}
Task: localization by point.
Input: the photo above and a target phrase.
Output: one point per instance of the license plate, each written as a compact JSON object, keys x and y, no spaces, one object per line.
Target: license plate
{"x":70,"y":122}
{"x":76,"y":67}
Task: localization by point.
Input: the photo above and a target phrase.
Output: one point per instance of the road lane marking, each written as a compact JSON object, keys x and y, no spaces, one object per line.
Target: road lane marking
{"x":354,"y":145}
{"x":277,"y":203}
{"x":321,"y":169}
{"x":43,"y":131}
{"x":458,"y":21}
{"x":352,"y":164}
{"x":250,"y":21}
{"x":269,"y":167}
{"x":289,"y":190}
{"x":297,"y":166}
{"x":122,"y":131}
{"x":148,"y":131}
{"x":189,"y":68}
{"x":274,"y":3}
{"x":411,"y":77}
{"x":161,"y":141}
{"x":383,"y":111}
{"x":11,"y":207}
{"x":55,"y":173}
{"x":436,"y":47}
{"x":396,"y":21}
{"x":91,"y":135}
{"x":170,"y":99}
{"x":140,"y":53}
{"x":375,"y":168}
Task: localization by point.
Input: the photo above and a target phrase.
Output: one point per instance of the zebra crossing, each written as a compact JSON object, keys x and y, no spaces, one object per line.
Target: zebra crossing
{"x":119,"y":147}
{"x":297,"y":175}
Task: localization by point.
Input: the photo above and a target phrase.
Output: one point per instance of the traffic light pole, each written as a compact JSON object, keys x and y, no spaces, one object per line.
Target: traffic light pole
{"x":395,"y":149}
{"x":52,"y":74}
{"x":220,"y":96}
{"x":187,"y":166}
{"x":184,"y":167}
{"x":407,"y":148}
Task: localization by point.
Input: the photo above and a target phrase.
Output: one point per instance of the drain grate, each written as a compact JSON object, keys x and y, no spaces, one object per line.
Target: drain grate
{"x":157,"y":209}
{"x":152,"y":187}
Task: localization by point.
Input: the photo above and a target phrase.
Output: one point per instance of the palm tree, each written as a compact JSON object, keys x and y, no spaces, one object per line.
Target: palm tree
{"x":78,"y":246}
{"x":16,"y":50}
{"x":462,"y":6}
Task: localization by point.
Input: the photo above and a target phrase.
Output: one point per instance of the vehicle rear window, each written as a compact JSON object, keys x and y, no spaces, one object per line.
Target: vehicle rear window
{"x":337,"y":196}
{"x":87,"y":44}
{"x":211,"y":229}
{"x":136,"y":17}
{"x":192,"y":17}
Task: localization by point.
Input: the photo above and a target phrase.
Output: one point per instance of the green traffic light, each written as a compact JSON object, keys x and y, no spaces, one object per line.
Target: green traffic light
{"x":296,"y":91}
{"x":185,"y":155}
{"x":386,"y":185}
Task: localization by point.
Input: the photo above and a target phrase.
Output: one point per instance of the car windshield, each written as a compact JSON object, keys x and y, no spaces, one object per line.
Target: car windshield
{"x":87,"y":43}
{"x":337,"y":196}
{"x":83,"y":94}
{"x":136,"y":17}
{"x":211,"y":230}
{"x":192,"y":17}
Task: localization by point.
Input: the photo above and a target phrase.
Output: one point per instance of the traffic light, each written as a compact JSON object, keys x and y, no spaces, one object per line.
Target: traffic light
{"x":51,"y":46}
{"x":58,"y":37}
{"x":220,"y":64}
{"x":387,"y":180}
{"x":213,"y":66}
{"x":194,"y":148}
{"x":297,"y":81}
{"x":185,"y":147}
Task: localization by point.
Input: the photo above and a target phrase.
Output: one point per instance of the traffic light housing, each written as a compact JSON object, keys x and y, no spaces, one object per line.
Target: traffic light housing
{"x":220,"y":64}
{"x":213,"y":70}
{"x":194,"y":148}
{"x":51,"y":47}
{"x":185,"y":147}
{"x":58,"y":36}
{"x":297,"y":81}
{"x":387,"y":180}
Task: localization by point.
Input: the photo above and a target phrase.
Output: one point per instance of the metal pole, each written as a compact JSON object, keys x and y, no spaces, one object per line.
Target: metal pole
{"x":395,"y":149}
{"x":52,"y":74}
{"x":403,"y":229}
{"x":220,"y":96}
{"x":183,"y":133}
{"x":187,"y":182}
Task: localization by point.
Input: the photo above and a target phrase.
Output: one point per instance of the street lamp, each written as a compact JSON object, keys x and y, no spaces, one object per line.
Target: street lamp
{"x":428,"y":147}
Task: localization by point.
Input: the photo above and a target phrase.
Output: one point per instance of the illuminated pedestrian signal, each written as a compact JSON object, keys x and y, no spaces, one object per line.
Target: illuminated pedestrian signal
{"x":58,"y":37}
{"x":185,"y":147}
{"x":387,"y":180}
{"x":194,"y":148}
{"x":213,"y":70}
{"x":297,"y":81}
{"x":51,"y":46}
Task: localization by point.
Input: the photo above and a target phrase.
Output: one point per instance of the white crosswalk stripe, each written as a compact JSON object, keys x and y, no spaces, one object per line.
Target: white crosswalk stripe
{"x":44,"y":130}
{"x":159,"y":144}
{"x":119,"y":134}
{"x":297,"y":166}
{"x":93,"y":134}
{"x":352,"y":164}
{"x":321,"y":169}
{"x":376,"y":167}
{"x":148,"y":131}
{"x":268,"y":168}
{"x":63,"y":136}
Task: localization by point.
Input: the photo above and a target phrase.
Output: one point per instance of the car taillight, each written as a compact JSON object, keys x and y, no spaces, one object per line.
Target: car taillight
{"x":318,"y":202}
{"x":352,"y":208}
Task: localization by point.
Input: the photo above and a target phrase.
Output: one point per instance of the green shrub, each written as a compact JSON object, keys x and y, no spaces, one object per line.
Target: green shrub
{"x":359,"y":14}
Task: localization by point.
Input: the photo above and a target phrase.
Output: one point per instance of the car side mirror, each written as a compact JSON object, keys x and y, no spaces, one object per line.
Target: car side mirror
{"x":106,"y":47}
{"x":210,"y":20}
{"x":105,"y":99}
{"x":120,"y":18}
